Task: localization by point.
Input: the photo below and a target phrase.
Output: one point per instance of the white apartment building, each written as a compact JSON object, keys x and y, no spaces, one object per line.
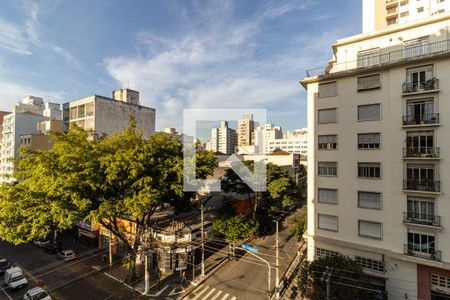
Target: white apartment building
{"x":379,"y":153}
{"x":108,"y":115}
{"x":245,"y":128}
{"x":223,"y":139}
{"x":381,"y":14}
{"x":262,"y":136}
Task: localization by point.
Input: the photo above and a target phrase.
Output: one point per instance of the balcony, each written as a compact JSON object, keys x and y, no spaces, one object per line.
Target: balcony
{"x":418,"y":250}
{"x":427,"y":86}
{"x":425,"y":185}
{"x":412,"y":217}
{"x":386,"y":58}
{"x":423,"y":152}
{"x":423,"y":119}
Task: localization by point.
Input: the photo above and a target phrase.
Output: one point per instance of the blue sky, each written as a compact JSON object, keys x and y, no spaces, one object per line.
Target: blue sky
{"x":231,"y":54}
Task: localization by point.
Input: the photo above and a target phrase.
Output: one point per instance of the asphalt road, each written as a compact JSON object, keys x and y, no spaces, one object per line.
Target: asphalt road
{"x":75,"y":280}
{"x":247,"y":277}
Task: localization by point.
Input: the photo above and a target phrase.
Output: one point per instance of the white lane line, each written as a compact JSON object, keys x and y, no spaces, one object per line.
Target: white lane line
{"x":200,"y":293}
{"x":209,"y":294}
{"x":225,"y":297}
{"x":216,"y":295}
{"x":4,"y":292}
{"x":160,"y":292}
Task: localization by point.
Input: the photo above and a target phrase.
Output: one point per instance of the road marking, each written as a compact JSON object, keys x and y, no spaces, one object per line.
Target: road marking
{"x":225,"y":297}
{"x":4,"y":292}
{"x":160,"y":292}
{"x":234,"y":298}
{"x":199,"y":294}
{"x":216,"y":295}
{"x":209,"y":294}
{"x":174,"y":291}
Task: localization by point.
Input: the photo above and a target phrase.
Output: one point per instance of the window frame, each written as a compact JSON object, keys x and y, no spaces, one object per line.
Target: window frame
{"x":366,"y":177}
{"x":327,"y":148}
{"x":327,"y":83}
{"x":368,"y":148}
{"x":318,"y":168}
{"x":337,"y":222}
{"x":368,"y":236}
{"x":368,"y":89}
{"x":365,"y":105}
{"x":370,"y":192}
{"x":324,"y":109}
{"x":324,"y":202}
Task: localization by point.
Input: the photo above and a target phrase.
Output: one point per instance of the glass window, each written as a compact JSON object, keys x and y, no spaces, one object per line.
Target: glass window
{"x":327,"y":142}
{"x":328,"y":196}
{"x":328,"y":89}
{"x":368,"y":58}
{"x":327,"y":115}
{"x":327,"y":169}
{"x":328,"y":222}
{"x":370,"y":229}
{"x":369,"y":141}
{"x":369,"y":82}
{"x":369,"y":170}
{"x":369,"y":200}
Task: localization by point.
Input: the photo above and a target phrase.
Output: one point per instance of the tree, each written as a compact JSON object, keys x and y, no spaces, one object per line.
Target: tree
{"x":298,"y":222}
{"x":235,"y":228}
{"x":348,"y":280}
{"x":84,"y":177}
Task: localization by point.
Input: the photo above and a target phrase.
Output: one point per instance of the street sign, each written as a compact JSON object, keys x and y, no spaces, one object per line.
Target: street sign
{"x":250,"y":248}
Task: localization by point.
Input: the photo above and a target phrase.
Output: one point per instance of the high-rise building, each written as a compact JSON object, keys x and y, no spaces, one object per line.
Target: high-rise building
{"x":23,"y":121}
{"x":381,"y":14}
{"x":245,"y":128}
{"x":378,"y":174}
{"x":223,"y":139}
{"x":107,"y":115}
{"x":263,"y":136}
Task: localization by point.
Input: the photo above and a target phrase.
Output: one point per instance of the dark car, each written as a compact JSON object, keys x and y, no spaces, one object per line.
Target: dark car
{"x":4,"y":265}
{"x":51,"y":249}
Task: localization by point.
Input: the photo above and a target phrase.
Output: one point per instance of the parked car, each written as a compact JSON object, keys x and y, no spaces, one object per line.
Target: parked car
{"x":66,"y":255}
{"x":4,"y":265}
{"x":14,"y":278}
{"x":41,"y":242}
{"x":51,"y":249}
{"x":37,"y":293}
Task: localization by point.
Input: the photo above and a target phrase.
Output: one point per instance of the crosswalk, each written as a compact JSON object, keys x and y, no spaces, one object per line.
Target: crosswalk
{"x":210,"y":293}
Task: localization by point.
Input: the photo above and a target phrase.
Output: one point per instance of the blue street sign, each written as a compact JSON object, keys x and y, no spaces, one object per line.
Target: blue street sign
{"x":250,"y":248}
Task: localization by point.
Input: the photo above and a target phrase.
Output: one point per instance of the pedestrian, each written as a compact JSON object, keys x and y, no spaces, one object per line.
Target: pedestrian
{"x":183,"y":278}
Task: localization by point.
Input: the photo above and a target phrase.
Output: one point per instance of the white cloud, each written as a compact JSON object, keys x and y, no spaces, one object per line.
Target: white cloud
{"x":12,"y":38}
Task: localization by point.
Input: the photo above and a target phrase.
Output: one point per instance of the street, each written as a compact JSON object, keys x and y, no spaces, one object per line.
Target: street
{"x":246,"y":278}
{"x":77,"y":279}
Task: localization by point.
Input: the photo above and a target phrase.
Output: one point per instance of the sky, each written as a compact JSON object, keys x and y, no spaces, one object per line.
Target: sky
{"x":177,"y":54}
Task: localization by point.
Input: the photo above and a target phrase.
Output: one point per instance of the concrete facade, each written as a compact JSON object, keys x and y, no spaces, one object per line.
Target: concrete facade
{"x":223,"y":139}
{"x":378,"y":155}
{"x":107,"y":115}
{"x":245,"y":128}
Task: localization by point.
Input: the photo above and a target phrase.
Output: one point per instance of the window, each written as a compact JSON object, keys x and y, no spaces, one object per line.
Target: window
{"x":327,"y":169}
{"x":327,"y":142}
{"x":392,"y":21}
{"x":328,"y":222}
{"x":404,"y":14}
{"x":328,"y":196}
{"x":420,"y":9}
{"x":404,"y":2}
{"x":438,"y":281}
{"x":321,"y":252}
{"x":370,"y":200}
{"x":420,"y":143}
{"x":370,"y":112}
{"x":368,"y":58}
{"x":370,"y":229}
{"x":327,"y":115}
{"x":372,"y":264}
{"x":367,"y":83}
{"x":369,"y":140}
{"x":415,"y":47}
{"x":421,"y":243}
{"x":369,"y":170}
{"x":420,"y":79}
{"x":328,"y":89}
{"x":421,"y":209}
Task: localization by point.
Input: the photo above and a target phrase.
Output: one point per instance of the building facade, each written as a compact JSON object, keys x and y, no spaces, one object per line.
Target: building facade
{"x":108,"y":115}
{"x":41,"y":139}
{"x":378,"y":184}
{"x":380,"y":14}
{"x":245,"y":128}
{"x":223,"y":139}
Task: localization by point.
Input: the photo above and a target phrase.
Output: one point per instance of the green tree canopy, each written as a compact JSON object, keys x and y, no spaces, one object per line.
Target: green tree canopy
{"x":347,"y":280}
{"x":298,"y":222}
{"x":235,"y":228}
{"x":87,"y":178}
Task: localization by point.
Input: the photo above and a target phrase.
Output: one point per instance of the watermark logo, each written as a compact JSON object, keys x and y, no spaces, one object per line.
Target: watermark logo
{"x":255,"y":179}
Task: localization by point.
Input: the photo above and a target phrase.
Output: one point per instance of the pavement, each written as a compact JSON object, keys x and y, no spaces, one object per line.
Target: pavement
{"x":75,"y":279}
{"x":246,"y":277}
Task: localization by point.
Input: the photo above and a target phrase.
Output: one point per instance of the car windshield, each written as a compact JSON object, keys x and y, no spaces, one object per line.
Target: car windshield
{"x":17,"y":278}
{"x":41,"y":295}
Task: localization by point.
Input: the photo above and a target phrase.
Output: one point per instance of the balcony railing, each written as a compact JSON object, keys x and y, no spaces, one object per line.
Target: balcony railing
{"x":423,"y":119}
{"x":420,"y":218}
{"x":419,"y":250}
{"x":427,"y":185}
{"x":429,"y":85}
{"x":387,"y":58}
{"x":422,"y":152}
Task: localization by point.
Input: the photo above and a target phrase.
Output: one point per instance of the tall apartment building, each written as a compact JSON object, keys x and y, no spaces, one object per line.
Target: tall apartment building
{"x":108,"y":115}
{"x":296,"y":143}
{"x":378,"y":157}
{"x":41,"y":139}
{"x":263,"y":135}
{"x":245,"y":128}
{"x":381,"y":14}
{"x":223,"y":139}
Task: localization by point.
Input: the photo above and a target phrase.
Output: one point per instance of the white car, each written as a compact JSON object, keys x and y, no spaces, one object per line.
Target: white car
{"x":41,"y":242}
{"x":37,"y":293}
{"x":14,"y":278}
{"x":66,"y":255}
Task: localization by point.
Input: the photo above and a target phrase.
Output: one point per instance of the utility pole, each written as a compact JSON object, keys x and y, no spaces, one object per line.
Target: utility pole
{"x":203,"y":239}
{"x":110,"y":249}
{"x":193,"y":264}
{"x":147,"y":275}
{"x":277,"y":266}
{"x":326,"y":277}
